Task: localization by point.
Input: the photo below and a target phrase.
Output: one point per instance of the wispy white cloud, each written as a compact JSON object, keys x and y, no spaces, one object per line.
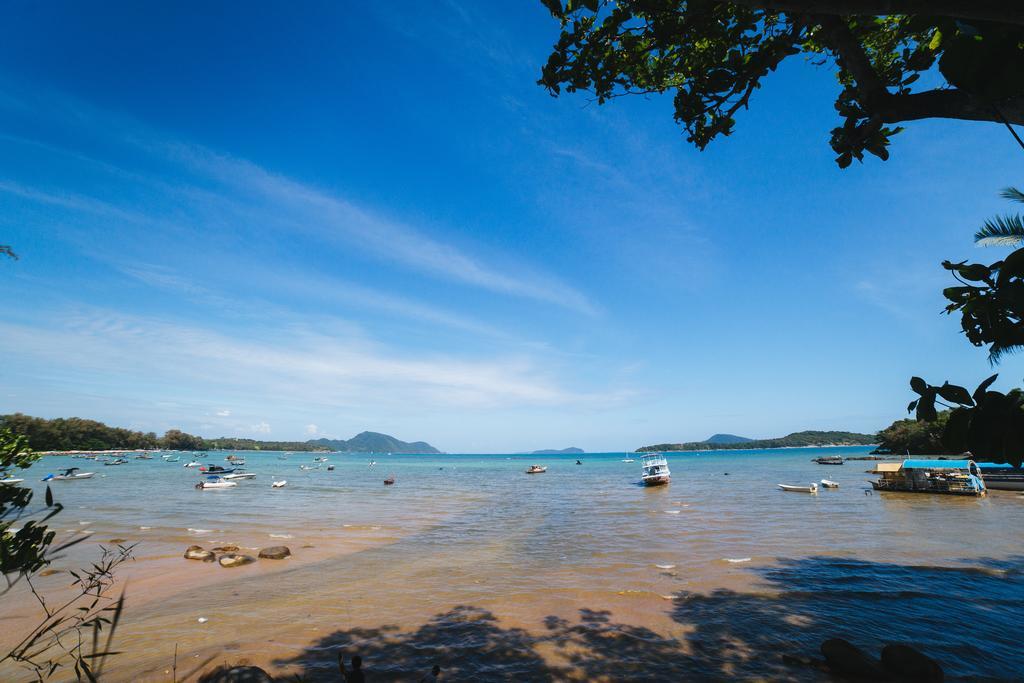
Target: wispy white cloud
{"x":223,"y":413}
{"x":294,"y":366}
{"x":260,"y":428}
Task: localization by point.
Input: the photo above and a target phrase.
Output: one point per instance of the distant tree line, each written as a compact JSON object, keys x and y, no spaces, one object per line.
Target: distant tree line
{"x":795,"y":440}
{"x":79,"y":434}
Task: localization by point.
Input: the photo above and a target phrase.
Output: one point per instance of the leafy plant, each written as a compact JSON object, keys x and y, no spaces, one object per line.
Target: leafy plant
{"x":78,"y":632}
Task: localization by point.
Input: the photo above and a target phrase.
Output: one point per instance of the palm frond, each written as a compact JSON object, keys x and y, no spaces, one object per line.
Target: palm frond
{"x":1013,"y":194}
{"x":1001,"y":231}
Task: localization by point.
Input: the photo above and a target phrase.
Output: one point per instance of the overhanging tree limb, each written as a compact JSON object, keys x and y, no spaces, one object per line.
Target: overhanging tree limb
{"x":1001,"y":11}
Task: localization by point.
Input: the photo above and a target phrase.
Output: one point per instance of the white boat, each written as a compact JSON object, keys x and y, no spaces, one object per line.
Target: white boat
{"x":655,"y":470}
{"x":69,"y":474}
{"x":215,"y":483}
{"x":829,"y":484}
{"x":239,"y":475}
{"x":537,"y":469}
{"x":194,"y":463}
{"x":279,"y":484}
{"x":11,"y":481}
{"x":628,"y":460}
{"x":813,"y":488}
{"x":118,"y":461}
{"x":309,"y":467}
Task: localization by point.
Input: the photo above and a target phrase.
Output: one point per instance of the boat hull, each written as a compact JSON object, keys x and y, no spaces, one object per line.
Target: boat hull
{"x":898,"y":488}
{"x":657,"y":480}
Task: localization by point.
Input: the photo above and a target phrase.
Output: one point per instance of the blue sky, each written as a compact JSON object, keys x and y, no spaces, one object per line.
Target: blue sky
{"x":295,"y":221}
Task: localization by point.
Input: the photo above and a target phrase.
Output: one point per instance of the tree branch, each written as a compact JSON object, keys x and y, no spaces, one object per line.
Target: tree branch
{"x":948,"y":104}
{"x":1001,"y":11}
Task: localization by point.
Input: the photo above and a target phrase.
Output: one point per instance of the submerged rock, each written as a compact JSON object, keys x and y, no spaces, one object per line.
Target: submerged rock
{"x":846,"y":659}
{"x":909,"y":664}
{"x":226,"y":549}
{"x":232,"y":560}
{"x":196,"y":552}
{"x":236,"y":674}
{"x":277,"y":552}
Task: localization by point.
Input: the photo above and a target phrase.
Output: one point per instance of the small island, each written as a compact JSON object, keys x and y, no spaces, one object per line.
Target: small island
{"x":572,"y":450}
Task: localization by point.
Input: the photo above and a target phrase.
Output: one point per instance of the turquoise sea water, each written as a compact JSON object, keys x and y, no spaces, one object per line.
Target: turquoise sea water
{"x":576,"y":573}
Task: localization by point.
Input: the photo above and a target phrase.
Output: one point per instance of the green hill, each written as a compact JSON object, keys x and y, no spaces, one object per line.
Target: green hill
{"x":726,"y":438}
{"x":794,"y":440}
{"x":374,"y":442}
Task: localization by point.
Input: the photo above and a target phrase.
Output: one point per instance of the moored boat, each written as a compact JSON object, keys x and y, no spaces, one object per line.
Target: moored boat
{"x":390,"y":480}
{"x":812,"y":488}
{"x":950,"y":477}
{"x":829,"y":484}
{"x":279,"y":484}
{"x":829,"y":460}
{"x":536,"y":469}
{"x":70,"y":474}
{"x":215,"y":482}
{"x":654,"y":469}
{"x":239,"y":475}
{"x":1002,"y":476}
{"x":216,"y":469}
{"x":11,"y":480}
{"x":116,"y":461}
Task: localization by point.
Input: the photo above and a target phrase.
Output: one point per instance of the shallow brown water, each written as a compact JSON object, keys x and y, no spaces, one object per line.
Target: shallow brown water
{"x":494,"y":574}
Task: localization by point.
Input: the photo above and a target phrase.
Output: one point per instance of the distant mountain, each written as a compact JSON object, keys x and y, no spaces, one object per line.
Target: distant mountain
{"x":726,"y":438}
{"x":374,"y":442}
{"x":554,"y":451}
{"x":794,"y":440}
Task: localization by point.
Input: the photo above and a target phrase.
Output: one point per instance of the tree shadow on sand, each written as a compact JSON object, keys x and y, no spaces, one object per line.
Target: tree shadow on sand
{"x":964,"y":617}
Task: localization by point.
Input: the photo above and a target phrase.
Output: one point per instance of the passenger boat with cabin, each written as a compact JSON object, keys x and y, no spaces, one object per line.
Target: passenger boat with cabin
{"x":951,"y":477}
{"x":537,"y":469}
{"x":654,"y":469}
{"x":829,"y":460}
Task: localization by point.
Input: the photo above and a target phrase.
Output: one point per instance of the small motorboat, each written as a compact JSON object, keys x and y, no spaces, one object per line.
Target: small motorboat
{"x":579,"y":462}
{"x":69,"y":474}
{"x":215,"y":482}
{"x":654,"y":470}
{"x":537,"y":469}
{"x":239,"y":475}
{"x":143,"y":456}
{"x":170,"y":458}
{"x":372,"y":463}
{"x":320,"y":459}
{"x":194,"y":463}
{"x":116,"y":461}
{"x":309,"y":467}
{"x":279,"y":484}
{"x":11,"y":480}
{"x":390,"y":480}
{"x":829,"y":460}
{"x":813,"y":488}
{"x":829,"y":484}
{"x":216,"y":469}
{"x":628,"y":460}
{"x":330,"y":468}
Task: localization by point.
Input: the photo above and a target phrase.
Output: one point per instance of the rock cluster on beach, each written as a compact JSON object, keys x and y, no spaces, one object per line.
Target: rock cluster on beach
{"x":228,"y":555}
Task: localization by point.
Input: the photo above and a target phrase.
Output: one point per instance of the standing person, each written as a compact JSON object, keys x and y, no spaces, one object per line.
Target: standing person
{"x":433,"y":677}
{"x":356,"y":674}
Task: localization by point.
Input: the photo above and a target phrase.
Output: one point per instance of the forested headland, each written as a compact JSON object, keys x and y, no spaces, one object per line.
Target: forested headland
{"x":794,"y":440}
